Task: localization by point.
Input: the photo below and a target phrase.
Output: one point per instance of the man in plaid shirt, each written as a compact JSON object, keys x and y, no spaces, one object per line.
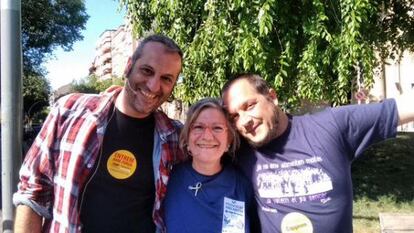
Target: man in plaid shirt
{"x":84,"y":172}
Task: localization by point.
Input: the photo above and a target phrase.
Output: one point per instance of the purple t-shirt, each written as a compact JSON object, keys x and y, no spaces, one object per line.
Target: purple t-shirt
{"x":302,"y":180}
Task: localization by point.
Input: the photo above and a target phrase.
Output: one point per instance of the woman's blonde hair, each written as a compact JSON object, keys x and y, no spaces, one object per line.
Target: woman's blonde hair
{"x":193,"y":114}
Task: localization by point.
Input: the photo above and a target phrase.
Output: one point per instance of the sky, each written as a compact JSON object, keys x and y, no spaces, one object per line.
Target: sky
{"x":64,"y":67}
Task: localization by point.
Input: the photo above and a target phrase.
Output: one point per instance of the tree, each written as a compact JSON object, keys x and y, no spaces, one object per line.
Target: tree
{"x":46,"y":25}
{"x":308,"y":50}
{"x":92,"y":84}
{"x":36,"y":90}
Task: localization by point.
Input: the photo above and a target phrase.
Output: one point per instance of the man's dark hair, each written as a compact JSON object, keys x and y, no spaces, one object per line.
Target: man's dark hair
{"x":168,"y":43}
{"x":254,"y":79}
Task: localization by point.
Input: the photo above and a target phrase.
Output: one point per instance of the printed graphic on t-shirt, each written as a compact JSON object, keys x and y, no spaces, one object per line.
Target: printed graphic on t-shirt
{"x":293,"y":182}
{"x":121,"y":164}
{"x":233,"y":216}
{"x":296,"y":223}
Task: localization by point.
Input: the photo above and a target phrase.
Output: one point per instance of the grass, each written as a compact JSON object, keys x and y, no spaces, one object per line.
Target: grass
{"x":383,"y":182}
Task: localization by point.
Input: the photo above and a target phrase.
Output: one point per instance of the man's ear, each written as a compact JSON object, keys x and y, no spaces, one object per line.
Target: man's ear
{"x":272,"y":94}
{"x":128,"y":67}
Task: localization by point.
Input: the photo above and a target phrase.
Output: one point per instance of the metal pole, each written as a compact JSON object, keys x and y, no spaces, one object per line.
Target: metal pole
{"x":11,"y":105}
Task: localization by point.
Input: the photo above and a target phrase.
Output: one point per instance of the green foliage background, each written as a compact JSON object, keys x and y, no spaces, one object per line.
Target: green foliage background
{"x":306,"y":49}
{"x":92,"y":84}
{"x":36,"y":90}
{"x":46,"y":25}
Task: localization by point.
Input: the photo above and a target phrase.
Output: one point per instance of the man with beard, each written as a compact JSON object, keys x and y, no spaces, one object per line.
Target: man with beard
{"x":101,"y":162}
{"x":300,"y":166}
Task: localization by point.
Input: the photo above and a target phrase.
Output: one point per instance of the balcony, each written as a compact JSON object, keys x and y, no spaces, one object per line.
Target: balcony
{"x":105,"y":58}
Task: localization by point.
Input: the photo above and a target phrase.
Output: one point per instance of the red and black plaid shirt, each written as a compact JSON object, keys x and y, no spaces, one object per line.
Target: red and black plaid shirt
{"x":62,"y":157}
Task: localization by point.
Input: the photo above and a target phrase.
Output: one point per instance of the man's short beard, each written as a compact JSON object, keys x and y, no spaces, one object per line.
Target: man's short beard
{"x":272,"y":134}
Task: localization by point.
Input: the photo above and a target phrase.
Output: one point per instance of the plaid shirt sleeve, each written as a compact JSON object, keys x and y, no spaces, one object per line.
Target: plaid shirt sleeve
{"x":35,"y":188}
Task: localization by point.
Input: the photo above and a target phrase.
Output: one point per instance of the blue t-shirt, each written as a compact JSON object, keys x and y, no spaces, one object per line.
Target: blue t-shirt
{"x":196,"y":203}
{"x":302,"y":180}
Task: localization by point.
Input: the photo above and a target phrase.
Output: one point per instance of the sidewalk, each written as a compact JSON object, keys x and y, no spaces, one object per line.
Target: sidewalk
{"x":396,"y":222}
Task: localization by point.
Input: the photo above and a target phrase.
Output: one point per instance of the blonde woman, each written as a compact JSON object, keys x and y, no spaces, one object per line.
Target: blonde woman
{"x":206,"y":193}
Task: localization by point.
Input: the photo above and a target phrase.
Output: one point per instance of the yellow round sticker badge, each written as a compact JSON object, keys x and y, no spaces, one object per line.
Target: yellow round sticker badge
{"x":296,"y":223}
{"x":121,"y":164}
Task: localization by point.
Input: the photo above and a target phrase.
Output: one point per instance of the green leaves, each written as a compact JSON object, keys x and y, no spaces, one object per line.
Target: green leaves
{"x":47,"y":25}
{"x":92,"y":84}
{"x":308,"y":50}
{"x":265,"y":19}
{"x":36,"y":91}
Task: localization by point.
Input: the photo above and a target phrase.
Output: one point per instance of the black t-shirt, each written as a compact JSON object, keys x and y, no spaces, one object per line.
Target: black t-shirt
{"x":120,"y":195}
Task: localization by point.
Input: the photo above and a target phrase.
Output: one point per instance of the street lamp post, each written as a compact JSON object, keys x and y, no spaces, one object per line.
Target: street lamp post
{"x":11,"y":106}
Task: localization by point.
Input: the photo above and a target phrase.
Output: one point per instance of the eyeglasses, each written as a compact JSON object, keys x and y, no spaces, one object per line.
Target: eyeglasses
{"x":199,"y":128}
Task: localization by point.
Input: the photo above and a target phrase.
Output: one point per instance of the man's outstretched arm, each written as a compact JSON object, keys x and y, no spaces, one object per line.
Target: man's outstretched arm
{"x":405,"y":106}
{"x":27,"y":221}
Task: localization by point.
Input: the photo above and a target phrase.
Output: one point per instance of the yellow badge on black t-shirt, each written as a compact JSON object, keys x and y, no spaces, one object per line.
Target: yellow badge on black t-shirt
{"x":121,"y":164}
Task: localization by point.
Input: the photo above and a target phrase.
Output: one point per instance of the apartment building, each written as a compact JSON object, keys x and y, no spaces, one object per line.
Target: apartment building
{"x":113,"y":49}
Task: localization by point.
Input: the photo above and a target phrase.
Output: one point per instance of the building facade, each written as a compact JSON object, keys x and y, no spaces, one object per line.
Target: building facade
{"x":395,"y":78}
{"x":113,"y":49}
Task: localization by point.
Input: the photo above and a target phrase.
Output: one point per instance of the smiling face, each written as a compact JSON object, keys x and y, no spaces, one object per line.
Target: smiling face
{"x":208,"y":140}
{"x":256,"y":116}
{"x":151,"y":80}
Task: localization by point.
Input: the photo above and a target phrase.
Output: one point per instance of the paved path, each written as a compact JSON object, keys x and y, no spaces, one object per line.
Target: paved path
{"x":397,"y":223}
